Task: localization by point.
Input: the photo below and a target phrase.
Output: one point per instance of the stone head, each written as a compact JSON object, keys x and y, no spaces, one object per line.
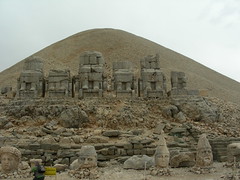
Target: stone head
{"x":204,"y":156}
{"x":87,"y":157}
{"x":162,"y":155}
{"x":10,"y":159}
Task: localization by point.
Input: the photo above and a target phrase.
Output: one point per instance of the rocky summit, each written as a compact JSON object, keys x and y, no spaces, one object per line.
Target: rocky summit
{"x":105,"y":99}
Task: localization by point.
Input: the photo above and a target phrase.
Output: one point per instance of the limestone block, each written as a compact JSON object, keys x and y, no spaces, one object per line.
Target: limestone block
{"x":85,"y":69}
{"x":111,"y":133}
{"x":233,"y":151}
{"x":97,"y":139}
{"x":123,"y":77}
{"x":97,"y":69}
{"x":95,"y":76}
{"x":183,"y":159}
{"x":138,"y":162}
{"x":122,"y":65}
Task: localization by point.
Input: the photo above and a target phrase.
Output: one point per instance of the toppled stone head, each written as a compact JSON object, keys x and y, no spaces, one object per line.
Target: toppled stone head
{"x":204,"y":157}
{"x":162,"y":155}
{"x":10,"y":159}
{"x":87,"y":157}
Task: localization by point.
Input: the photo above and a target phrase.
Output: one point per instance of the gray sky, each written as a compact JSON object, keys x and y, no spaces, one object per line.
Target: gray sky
{"x":207,"y":31}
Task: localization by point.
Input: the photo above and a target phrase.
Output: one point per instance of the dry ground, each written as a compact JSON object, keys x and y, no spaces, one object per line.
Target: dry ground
{"x":118,"y":173}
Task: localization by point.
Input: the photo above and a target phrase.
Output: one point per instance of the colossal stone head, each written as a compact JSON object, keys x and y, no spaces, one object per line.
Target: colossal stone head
{"x":162,"y":155}
{"x":10,"y":159}
{"x":204,"y":157}
{"x":87,"y":157}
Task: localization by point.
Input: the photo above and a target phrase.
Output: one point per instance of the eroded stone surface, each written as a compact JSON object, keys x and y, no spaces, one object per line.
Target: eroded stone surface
{"x":153,"y":81}
{"x":31,"y":80}
{"x":10,"y":159}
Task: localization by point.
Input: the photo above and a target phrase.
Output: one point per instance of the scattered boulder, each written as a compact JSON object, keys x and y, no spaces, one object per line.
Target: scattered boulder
{"x":183,"y":159}
{"x":111,"y":133}
{"x":138,"y":162}
{"x":73,"y":118}
{"x":3,"y":121}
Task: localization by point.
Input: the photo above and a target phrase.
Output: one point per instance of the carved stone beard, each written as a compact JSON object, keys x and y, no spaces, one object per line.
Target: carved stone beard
{"x":204,"y":157}
{"x":9,"y":163}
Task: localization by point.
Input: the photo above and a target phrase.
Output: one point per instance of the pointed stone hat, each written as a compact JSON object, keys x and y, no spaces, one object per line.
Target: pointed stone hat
{"x":162,"y":145}
{"x":203,"y":142}
{"x":87,"y":151}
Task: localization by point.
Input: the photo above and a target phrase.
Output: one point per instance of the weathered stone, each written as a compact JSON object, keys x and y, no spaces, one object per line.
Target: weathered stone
{"x":87,"y":158}
{"x":153,"y":81}
{"x":233,"y":151}
{"x":59,"y":84}
{"x":31,"y":80}
{"x":162,"y":155}
{"x":123,"y":79}
{"x":183,"y":159}
{"x":73,"y":118}
{"x":111,"y":133}
{"x":204,"y":157}
{"x":97,"y":139}
{"x":10,"y":159}
{"x":3,"y":121}
{"x":159,"y":128}
{"x":138,"y":162}
{"x":90,"y":81}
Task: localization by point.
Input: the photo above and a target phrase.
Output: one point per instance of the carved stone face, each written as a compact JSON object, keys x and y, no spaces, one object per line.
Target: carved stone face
{"x":162,"y":160}
{"x":9,"y":163}
{"x":204,"y":157}
{"x":87,"y":161}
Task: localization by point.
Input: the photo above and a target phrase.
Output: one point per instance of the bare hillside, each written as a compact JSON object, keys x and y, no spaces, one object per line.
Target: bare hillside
{"x":117,"y":45}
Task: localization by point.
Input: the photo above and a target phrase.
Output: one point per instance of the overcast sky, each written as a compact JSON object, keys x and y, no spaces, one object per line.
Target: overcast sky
{"x":207,"y":31}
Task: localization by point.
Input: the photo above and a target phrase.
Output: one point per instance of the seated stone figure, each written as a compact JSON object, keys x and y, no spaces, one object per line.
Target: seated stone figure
{"x":153,"y":80}
{"x":10,"y":159}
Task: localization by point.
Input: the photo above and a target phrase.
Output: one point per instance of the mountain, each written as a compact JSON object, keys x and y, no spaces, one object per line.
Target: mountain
{"x":118,"y":45}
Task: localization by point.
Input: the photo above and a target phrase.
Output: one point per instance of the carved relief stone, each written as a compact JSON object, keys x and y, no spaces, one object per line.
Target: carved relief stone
{"x":90,"y":81}
{"x":124,"y":83}
{"x":31,"y":80}
{"x":59,"y":84}
{"x":153,"y":81}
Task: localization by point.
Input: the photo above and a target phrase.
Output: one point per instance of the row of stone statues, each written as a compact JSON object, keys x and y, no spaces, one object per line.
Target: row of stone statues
{"x":87,"y":159}
{"x":91,"y":80}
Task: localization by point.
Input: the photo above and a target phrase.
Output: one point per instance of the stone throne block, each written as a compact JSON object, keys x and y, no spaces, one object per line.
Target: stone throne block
{"x":124,"y":81}
{"x":59,"y":84}
{"x":179,"y":85}
{"x":90,"y":81}
{"x":31,"y":80}
{"x":152,"y":82}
